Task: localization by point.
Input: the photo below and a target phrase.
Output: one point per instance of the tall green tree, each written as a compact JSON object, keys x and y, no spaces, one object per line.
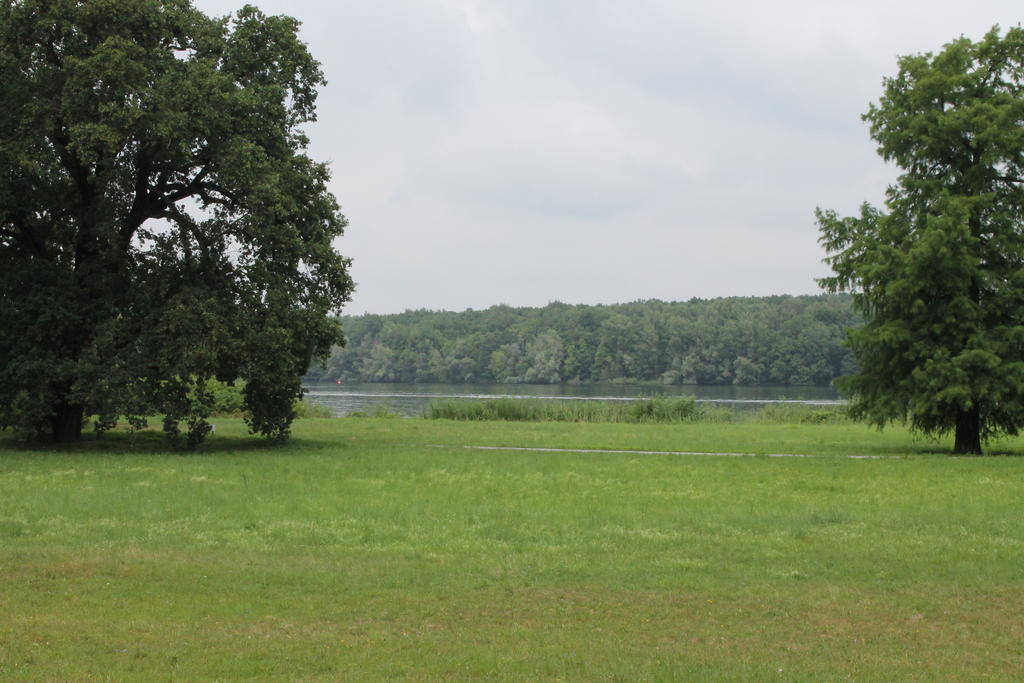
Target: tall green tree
{"x":160,"y":222}
{"x":939,"y":275}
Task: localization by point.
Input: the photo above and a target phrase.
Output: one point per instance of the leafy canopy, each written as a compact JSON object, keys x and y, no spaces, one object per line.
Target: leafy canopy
{"x":938,"y":275}
{"x":160,"y":222}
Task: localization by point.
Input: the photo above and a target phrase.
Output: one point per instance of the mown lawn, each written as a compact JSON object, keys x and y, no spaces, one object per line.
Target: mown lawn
{"x":381,"y":548}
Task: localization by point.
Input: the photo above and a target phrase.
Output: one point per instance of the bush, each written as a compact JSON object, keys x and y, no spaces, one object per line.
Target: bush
{"x":309,"y":409}
{"x":660,"y":409}
{"x":663,"y":410}
{"x":801,"y":413}
{"x":378,"y":411}
{"x":228,"y":401}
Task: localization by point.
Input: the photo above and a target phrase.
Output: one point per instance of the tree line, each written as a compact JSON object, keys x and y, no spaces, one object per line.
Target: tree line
{"x":779,"y":340}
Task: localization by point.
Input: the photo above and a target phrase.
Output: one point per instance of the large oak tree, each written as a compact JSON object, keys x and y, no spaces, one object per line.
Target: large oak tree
{"x":160,"y":222}
{"x":939,"y":275}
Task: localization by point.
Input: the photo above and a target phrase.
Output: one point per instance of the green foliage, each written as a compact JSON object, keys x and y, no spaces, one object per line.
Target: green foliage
{"x":662,"y":410}
{"x":160,"y":223}
{"x":379,"y":411}
{"x":218,"y":399}
{"x":228,"y":400}
{"x":795,"y":413}
{"x":939,"y":277}
{"x":307,"y":409}
{"x":773,"y":340}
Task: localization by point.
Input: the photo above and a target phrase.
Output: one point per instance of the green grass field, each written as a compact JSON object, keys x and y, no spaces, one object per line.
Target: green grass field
{"x":382,"y":548}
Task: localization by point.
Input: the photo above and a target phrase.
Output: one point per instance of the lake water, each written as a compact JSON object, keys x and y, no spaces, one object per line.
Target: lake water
{"x":413,"y":399}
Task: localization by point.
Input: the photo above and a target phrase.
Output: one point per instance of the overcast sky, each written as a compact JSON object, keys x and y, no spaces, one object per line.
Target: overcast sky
{"x":591,"y":151}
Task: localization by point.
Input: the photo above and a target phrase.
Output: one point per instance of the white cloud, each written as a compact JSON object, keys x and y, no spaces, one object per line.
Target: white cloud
{"x":523,"y":151}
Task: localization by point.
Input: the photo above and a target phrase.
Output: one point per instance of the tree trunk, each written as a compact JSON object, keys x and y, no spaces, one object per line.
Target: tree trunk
{"x":66,"y":423}
{"x":968,"y":433}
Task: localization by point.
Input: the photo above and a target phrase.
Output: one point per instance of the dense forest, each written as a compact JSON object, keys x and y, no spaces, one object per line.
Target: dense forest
{"x":778,"y":340}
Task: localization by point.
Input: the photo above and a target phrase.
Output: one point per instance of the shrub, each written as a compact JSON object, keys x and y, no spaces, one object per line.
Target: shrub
{"x":682,"y":409}
{"x":801,"y":413}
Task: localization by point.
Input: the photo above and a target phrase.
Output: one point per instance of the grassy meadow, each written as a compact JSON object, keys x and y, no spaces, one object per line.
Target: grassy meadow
{"x":375,"y":548}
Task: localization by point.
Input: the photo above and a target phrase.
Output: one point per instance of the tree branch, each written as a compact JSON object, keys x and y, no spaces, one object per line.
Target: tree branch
{"x":158,"y":201}
{"x":189,"y":189}
{"x":59,"y":139}
{"x":186,"y":226}
{"x":143,"y":205}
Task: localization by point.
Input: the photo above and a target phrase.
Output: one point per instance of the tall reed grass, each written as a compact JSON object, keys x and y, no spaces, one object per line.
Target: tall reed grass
{"x":681,"y":409}
{"x":654,"y":410}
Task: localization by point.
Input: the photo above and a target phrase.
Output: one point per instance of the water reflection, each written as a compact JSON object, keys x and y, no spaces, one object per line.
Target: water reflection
{"x":413,"y":399}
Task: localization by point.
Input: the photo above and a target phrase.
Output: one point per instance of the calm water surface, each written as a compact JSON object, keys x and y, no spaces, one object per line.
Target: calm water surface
{"x":413,"y":399}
